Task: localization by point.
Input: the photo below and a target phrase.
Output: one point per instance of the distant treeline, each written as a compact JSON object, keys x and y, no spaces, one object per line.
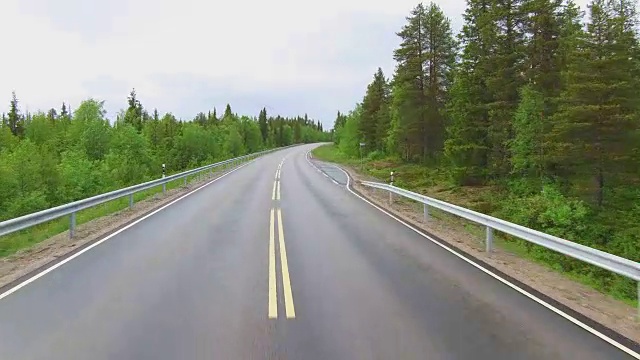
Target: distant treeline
{"x":51,"y":158}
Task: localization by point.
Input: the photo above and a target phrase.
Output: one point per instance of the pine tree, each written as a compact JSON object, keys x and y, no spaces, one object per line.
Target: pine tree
{"x":15,"y":119}
{"x":409,"y":104}
{"x":134,"y":114}
{"x":441,"y":57}
{"x":596,"y":128}
{"x":542,"y":26}
{"x":227,"y":113}
{"x":426,"y":58}
{"x":264,"y":127}
{"x":527,"y":147}
{"x":201,"y":119}
{"x":63,"y":111}
{"x":52,"y":115}
{"x":466,"y":147}
{"x":212,"y":118}
{"x":374,"y":121}
{"x":503,"y":81}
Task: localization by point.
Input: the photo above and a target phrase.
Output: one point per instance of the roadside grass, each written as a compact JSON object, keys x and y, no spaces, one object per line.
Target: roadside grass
{"x":484,"y":199}
{"x":12,"y":243}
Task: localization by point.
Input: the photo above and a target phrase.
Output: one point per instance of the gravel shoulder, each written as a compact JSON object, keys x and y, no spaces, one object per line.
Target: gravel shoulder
{"x":26,"y":261}
{"x":601,"y":308}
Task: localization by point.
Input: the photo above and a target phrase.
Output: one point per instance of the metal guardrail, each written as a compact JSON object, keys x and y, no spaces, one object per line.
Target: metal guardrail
{"x":604,"y":260}
{"x":26,"y":221}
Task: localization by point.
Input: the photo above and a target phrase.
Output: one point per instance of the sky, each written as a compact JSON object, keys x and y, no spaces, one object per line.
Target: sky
{"x":188,"y":56}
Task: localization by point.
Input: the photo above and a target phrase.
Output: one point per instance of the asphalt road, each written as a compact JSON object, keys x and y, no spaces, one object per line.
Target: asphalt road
{"x":276,"y":261}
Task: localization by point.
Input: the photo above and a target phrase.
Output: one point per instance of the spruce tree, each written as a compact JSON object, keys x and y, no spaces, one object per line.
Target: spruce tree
{"x":15,"y":119}
{"x":374,"y":121}
{"x":596,"y":128}
{"x":467,"y":147}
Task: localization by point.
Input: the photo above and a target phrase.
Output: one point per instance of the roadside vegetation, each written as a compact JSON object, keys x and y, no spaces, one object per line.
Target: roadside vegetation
{"x":530,"y":114}
{"x":55,"y":157}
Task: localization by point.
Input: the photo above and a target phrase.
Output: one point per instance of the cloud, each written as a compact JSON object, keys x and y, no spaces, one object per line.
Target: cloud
{"x":190,"y":55}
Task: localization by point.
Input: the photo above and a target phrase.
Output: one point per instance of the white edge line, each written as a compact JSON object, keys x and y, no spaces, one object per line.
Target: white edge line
{"x":504,"y":281}
{"x":307,"y":157}
{"x":53,"y":267}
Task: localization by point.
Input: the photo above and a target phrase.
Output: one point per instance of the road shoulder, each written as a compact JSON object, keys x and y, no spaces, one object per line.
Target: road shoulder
{"x":610,"y":316}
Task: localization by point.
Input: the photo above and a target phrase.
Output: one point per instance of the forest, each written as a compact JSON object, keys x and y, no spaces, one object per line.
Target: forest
{"x":54,"y":157}
{"x":535,"y":102}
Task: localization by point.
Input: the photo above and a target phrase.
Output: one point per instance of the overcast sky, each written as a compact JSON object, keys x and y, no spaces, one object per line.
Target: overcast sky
{"x":186,"y":56}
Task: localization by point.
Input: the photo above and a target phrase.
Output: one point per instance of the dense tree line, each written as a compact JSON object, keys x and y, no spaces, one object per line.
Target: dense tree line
{"x":54,"y":157}
{"x":531,"y":98}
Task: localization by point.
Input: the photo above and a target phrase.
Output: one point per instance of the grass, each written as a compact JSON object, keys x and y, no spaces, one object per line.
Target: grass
{"x":12,"y":243}
{"x":484,"y":199}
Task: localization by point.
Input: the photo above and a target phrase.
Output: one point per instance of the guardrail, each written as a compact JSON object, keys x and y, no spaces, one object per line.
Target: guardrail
{"x":604,"y":260}
{"x":26,"y":221}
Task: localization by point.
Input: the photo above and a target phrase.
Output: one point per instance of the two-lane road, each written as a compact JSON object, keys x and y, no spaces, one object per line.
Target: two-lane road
{"x":275,"y":261}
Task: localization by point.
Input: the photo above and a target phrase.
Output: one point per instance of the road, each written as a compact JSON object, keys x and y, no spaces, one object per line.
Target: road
{"x":276,"y":261}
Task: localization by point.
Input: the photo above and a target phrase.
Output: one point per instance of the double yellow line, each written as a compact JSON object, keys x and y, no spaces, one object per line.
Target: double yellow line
{"x":286,"y":282}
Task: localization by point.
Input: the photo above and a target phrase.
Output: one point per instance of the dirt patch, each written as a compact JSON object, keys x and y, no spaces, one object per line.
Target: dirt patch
{"x":25,"y":261}
{"x":597,"y":306}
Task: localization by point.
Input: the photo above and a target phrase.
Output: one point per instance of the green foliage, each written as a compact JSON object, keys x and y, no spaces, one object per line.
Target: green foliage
{"x":541,"y":105}
{"x":426,"y":58}
{"x":548,"y":211}
{"x":526,"y":147}
{"x":349,"y":134}
{"x":56,"y":158}
{"x":374,"y":120}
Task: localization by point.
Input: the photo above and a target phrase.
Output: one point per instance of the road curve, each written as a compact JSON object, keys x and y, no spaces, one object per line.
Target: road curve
{"x":276,"y":261}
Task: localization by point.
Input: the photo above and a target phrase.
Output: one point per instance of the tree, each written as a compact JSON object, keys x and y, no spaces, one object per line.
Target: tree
{"x":349,"y":135}
{"x":466,"y":146}
{"x":264,"y":127}
{"x":426,"y":58}
{"x":374,"y":121}
{"x":527,"y":147}
{"x":234,"y":145}
{"x":201,"y":119}
{"x":134,"y":114}
{"x":227,"y":113}
{"x":503,"y":81}
{"x":52,"y":115}
{"x":15,"y":119}
{"x":596,"y":128}
{"x":63,"y":111}
{"x":90,"y":130}
{"x":409,"y":104}
{"x":212,"y":119}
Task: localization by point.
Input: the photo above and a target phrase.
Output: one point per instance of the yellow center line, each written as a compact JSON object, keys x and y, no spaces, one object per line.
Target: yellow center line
{"x":278,"y":192}
{"x":275,"y":183}
{"x":273,"y":293}
{"x":286,"y":282}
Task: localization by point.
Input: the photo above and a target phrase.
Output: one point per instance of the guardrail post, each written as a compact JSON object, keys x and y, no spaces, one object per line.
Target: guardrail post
{"x":390,"y":192}
{"x":185,"y":180}
{"x":426,"y":212}
{"x":72,"y":225}
{"x":638,"y":318}
{"x":130,"y":201}
{"x":164,"y":185}
{"x":489,"y":241}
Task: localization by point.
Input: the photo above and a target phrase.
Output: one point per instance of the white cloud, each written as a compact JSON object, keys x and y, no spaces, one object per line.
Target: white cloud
{"x":64,"y":50}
